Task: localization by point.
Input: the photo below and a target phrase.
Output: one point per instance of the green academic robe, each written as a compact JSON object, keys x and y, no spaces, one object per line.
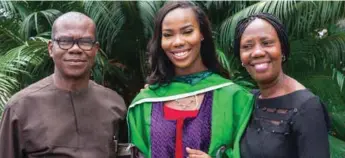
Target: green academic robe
{"x":231,"y":111}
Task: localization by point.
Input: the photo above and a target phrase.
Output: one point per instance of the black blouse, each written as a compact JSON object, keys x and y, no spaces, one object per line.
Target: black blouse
{"x":289,"y":126}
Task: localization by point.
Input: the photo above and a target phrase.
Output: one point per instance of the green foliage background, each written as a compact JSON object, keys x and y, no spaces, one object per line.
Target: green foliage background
{"x":316,"y":32}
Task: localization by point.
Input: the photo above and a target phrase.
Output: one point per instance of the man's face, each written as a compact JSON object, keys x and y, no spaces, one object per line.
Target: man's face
{"x":73,"y":61}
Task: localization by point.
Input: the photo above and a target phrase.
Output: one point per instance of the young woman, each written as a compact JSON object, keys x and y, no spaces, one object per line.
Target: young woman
{"x":288,"y":120}
{"x":188,"y":104}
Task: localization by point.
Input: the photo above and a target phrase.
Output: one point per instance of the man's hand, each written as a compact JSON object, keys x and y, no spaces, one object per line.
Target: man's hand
{"x":193,"y":153}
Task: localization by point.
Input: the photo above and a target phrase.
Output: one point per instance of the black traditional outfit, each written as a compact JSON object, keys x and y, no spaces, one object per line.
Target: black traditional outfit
{"x":289,"y":126}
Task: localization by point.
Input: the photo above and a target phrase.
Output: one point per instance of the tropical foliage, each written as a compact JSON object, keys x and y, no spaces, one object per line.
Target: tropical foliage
{"x":124,"y":28}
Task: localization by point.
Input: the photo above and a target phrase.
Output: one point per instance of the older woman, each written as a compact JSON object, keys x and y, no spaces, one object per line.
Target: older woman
{"x":288,"y":120}
{"x":188,"y":103}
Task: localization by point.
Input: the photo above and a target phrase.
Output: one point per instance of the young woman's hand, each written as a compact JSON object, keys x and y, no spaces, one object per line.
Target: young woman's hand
{"x":193,"y":153}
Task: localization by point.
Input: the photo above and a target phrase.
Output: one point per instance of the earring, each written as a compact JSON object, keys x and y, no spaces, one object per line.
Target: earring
{"x":242,"y":64}
{"x":283,"y":58}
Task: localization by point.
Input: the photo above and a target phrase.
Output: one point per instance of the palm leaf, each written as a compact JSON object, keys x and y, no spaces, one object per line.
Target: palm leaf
{"x":147,"y":13}
{"x":100,"y":68}
{"x":337,"y":147}
{"x":19,"y":64}
{"x":224,"y":61}
{"x":8,"y":6}
{"x":9,"y":36}
{"x":300,"y":17}
{"x":109,"y":20}
{"x":231,"y":65}
{"x":34,"y":22}
{"x":317,"y":54}
{"x":218,"y":11}
{"x":332,"y":49}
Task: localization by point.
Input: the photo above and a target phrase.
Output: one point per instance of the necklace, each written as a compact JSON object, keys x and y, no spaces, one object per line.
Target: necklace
{"x":187,"y":105}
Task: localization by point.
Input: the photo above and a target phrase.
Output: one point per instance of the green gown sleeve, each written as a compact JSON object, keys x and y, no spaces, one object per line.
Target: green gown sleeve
{"x":139,"y":124}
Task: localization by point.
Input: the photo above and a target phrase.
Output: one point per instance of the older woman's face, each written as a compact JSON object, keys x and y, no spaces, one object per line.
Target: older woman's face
{"x":181,"y":40}
{"x":260,"y":51}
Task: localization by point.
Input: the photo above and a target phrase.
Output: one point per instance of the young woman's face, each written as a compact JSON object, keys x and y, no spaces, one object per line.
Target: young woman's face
{"x":260,"y":51}
{"x":181,"y":40}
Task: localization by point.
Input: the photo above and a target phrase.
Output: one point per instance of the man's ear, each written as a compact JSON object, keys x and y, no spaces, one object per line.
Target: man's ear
{"x":50,"y":47}
{"x":96,"y":47}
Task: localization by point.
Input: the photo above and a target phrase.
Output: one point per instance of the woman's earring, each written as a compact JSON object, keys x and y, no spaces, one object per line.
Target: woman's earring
{"x":283,"y":58}
{"x":242,"y":64}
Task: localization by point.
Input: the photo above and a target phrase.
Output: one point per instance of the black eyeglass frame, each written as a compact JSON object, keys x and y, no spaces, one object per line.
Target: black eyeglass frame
{"x":74,"y":42}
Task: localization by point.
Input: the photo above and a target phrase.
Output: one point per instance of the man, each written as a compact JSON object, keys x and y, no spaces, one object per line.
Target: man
{"x":64,"y":115}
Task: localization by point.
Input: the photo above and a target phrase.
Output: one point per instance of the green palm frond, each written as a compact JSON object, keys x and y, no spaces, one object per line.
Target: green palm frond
{"x":19,"y":64}
{"x":8,"y":82}
{"x":340,"y":79}
{"x":337,"y":147}
{"x":147,"y":13}
{"x":33,"y":22}
{"x":218,"y":11}
{"x":231,"y":65}
{"x":109,"y":20}
{"x":223,"y":60}
{"x":9,"y":36}
{"x":8,"y":33}
{"x":6,"y":85}
{"x":8,"y":6}
{"x":338,"y":112}
{"x":227,"y":28}
{"x":100,"y":68}
{"x":65,"y":6}
{"x":302,"y":56}
{"x":301,"y":18}
{"x":333,"y":49}
{"x":317,"y":54}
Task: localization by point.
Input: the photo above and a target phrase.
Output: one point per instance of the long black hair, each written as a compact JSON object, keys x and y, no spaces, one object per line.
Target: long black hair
{"x":162,"y":69}
{"x":274,"y":21}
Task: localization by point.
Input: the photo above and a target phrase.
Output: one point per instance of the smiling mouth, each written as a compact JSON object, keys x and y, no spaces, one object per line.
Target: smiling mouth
{"x":75,"y":60}
{"x":261,"y":67}
{"x":180,"y":54}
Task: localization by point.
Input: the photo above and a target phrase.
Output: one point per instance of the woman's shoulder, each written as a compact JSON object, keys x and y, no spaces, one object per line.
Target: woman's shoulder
{"x":300,"y":96}
{"x":308,"y":100}
{"x":291,"y":100}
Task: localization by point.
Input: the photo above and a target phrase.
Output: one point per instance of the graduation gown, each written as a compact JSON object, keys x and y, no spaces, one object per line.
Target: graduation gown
{"x":230,"y":111}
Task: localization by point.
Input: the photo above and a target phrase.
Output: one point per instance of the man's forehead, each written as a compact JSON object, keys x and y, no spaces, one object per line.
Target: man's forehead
{"x":73,"y":23}
{"x":71,"y":26}
{"x":74,"y":17}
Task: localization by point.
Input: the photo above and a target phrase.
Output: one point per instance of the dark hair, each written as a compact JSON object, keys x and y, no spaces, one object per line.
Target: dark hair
{"x":162,"y":69}
{"x":274,"y":21}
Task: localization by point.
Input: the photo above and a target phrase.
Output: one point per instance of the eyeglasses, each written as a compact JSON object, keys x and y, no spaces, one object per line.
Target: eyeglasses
{"x":85,"y":44}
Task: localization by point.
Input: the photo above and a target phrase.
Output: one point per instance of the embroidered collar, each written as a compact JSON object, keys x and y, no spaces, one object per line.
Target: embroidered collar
{"x":193,"y":79}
